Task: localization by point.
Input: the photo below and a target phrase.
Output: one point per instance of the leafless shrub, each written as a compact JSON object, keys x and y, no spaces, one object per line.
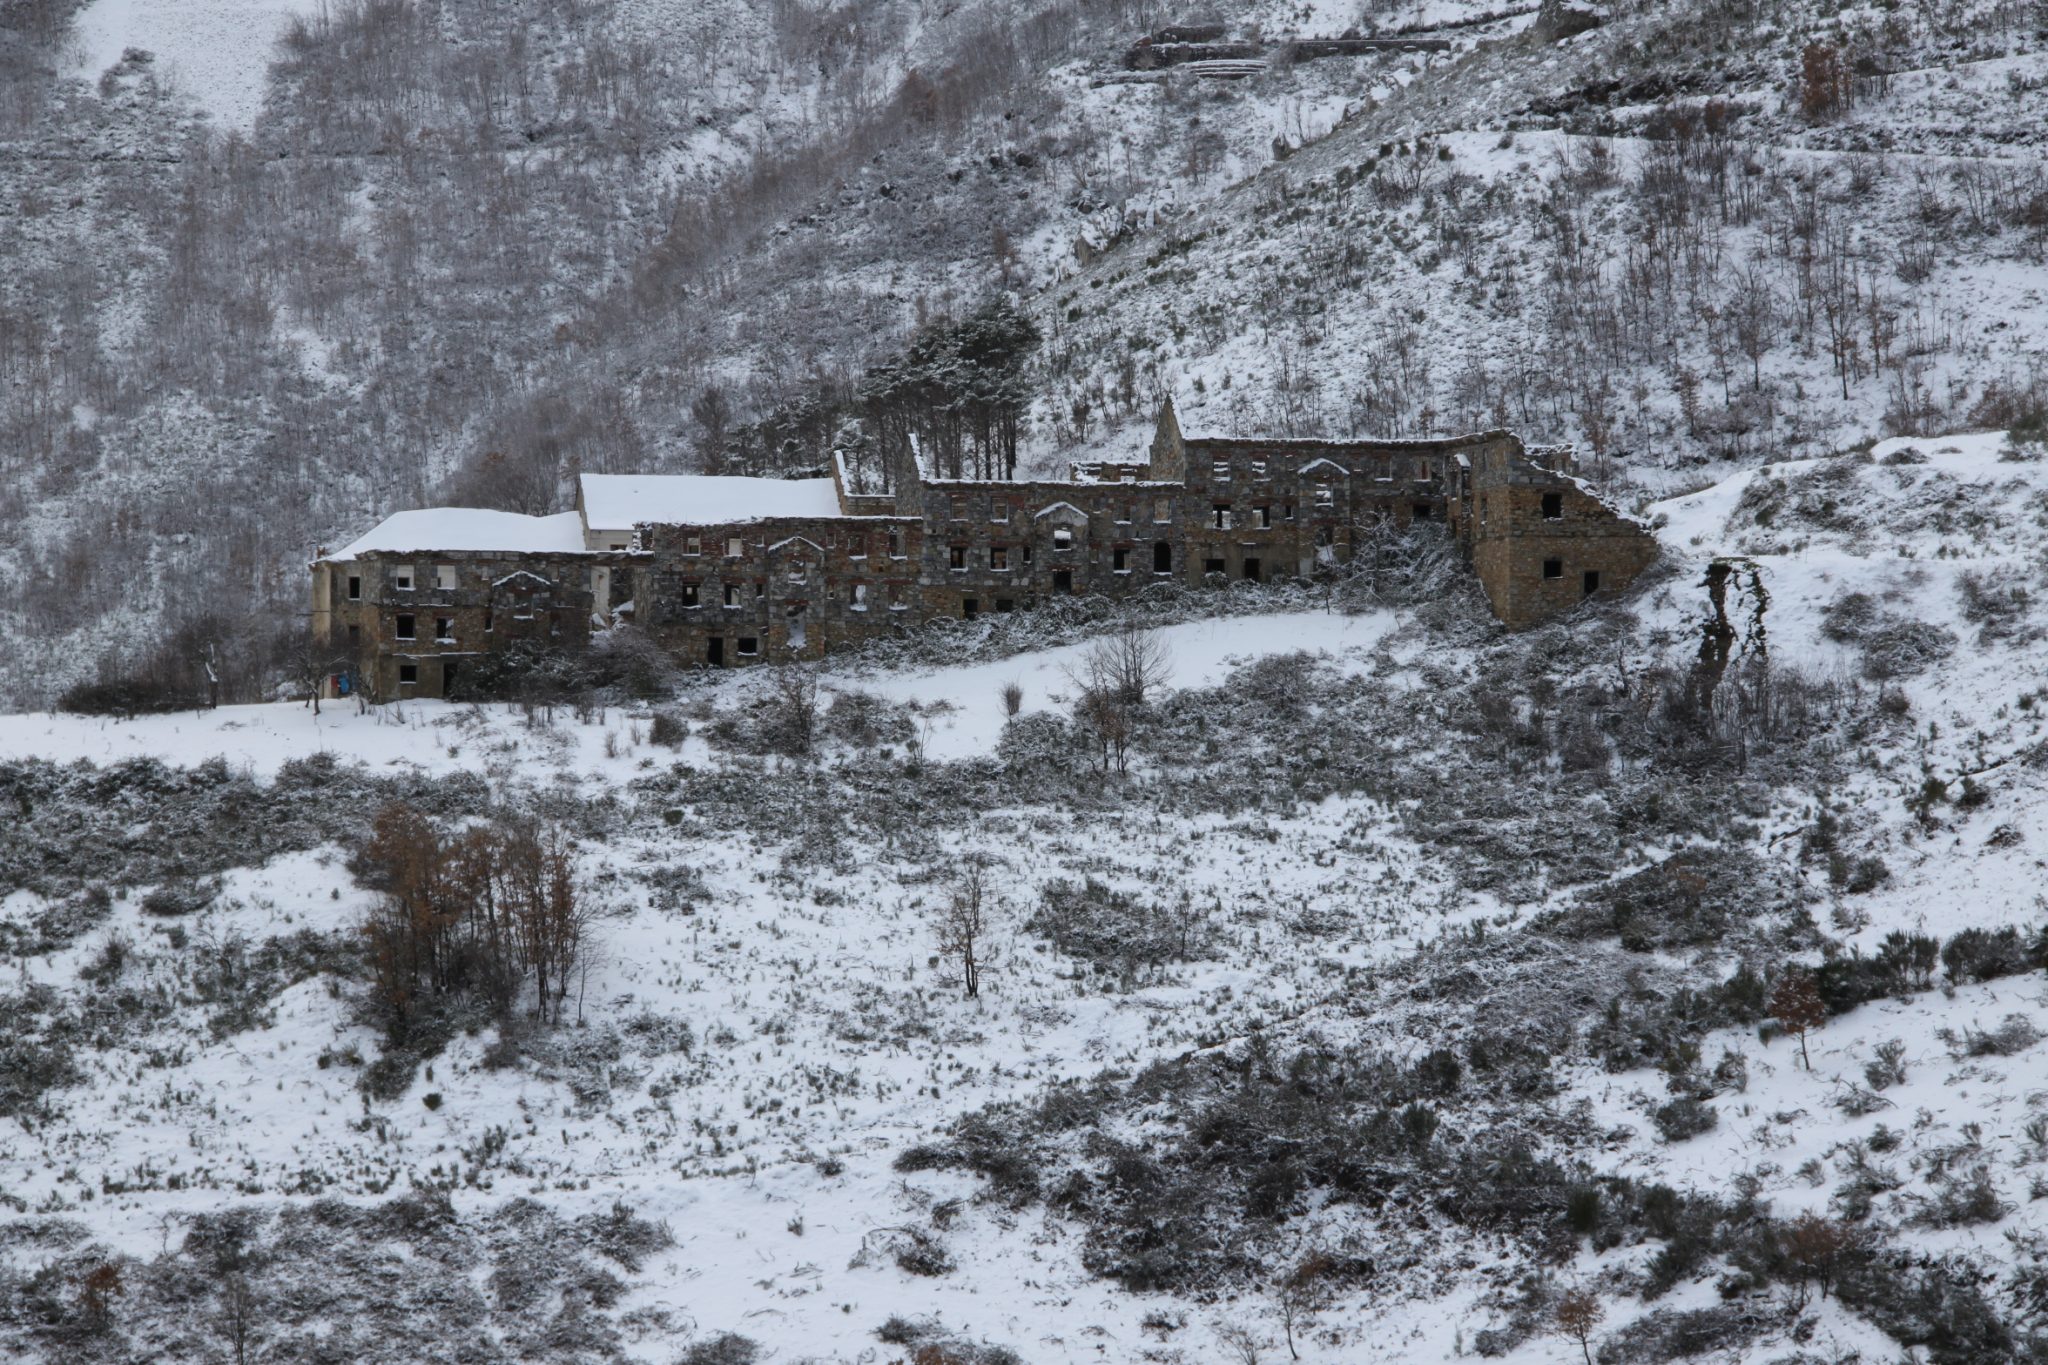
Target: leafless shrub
{"x":2014,"y":1034}
{"x":793,"y":709}
{"x":1240,"y":1341}
{"x":1396,"y":566}
{"x":1128,"y":665}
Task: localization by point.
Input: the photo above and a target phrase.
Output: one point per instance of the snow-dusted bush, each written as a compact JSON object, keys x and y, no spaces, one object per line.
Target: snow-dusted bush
{"x":1962,"y":1199}
{"x":866,"y":721}
{"x":939,"y":1347}
{"x":1697,"y":897}
{"x":186,"y":897}
{"x":2015,"y":1033}
{"x":1115,"y":932}
{"x":1669,"y":1334}
{"x":1040,"y":742}
{"x":1986,"y":954}
{"x":1888,"y":1067}
{"x":1996,"y":601}
{"x":725,"y":1348}
{"x":1241,"y":1143}
{"x":1684,"y":1117}
{"x":667,"y":729}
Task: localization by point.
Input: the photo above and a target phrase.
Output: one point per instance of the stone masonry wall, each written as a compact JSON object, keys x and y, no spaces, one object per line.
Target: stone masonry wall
{"x":782,"y":588}
{"x":1541,"y":543}
{"x":402,"y":641}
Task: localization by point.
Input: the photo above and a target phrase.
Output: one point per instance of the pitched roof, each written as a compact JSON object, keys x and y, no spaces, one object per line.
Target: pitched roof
{"x":470,"y":528}
{"x":619,"y":502}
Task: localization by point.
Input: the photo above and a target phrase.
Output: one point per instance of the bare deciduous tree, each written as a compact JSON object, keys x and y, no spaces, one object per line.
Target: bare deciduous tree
{"x":552,"y":916}
{"x":1816,"y":1247}
{"x":1108,"y":719}
{"x":472,"y":914}
{"x":964,"y":920}
{"x":237,"y":1318}
{"x":97,"y":1290}
{"x":313,"y":662}
{"x":1302,"y":1293}
{"x":1114,"y":677}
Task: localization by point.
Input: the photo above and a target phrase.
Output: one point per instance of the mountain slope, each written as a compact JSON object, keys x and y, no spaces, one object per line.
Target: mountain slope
{"x":465,"y":250}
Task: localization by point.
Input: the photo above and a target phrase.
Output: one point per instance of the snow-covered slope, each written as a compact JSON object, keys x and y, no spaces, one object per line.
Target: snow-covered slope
{"x":214,"y":52}
{"x":1515,"y":887}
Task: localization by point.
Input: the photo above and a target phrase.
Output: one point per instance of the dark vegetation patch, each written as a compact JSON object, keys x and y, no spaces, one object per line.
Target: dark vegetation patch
{"x":229,"y":981}
{"x":1893,"y":646}
{"x":1684,"y":1333}
{"x":933,"y":1343}
{"x":1235,"y":1145}
{"x":1123,"y":937}
{"x":406,"y":1280}
{"x":619,"y":665}
{"x":1708,"y":895}
{"x":143,"y":822}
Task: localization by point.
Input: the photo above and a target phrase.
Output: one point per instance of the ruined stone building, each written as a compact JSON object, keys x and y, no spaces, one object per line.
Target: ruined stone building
{"x":725,"y":571}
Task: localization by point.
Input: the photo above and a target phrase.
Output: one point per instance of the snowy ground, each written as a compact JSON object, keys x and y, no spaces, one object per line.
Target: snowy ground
{"x":215,"y":52}
{"x":823,"y":1026}
{"x":825,"y":1031}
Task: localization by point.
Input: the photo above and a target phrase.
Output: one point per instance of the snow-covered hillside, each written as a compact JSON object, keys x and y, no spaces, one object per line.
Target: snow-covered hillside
{"x":1415,"y":976}
{"x":215,"y":53}
{"x":462,"y":250}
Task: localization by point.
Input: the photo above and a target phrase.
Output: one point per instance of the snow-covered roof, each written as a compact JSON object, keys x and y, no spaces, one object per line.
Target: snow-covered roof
{"x":619,"y":502}
{"x":470,"y":528}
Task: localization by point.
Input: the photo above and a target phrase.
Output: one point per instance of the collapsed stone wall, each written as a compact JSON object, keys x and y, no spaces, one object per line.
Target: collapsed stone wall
{"x":1540,"y":541}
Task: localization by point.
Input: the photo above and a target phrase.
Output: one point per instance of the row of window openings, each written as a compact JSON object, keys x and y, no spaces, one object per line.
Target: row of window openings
{"x":1120,"y":561}
{"x":1219,"y":471}
{"x":403,"y":579}
{"x":736,"y":548}
{"x":858,"y":595}
{"x":1589,"y":581}
{"x":1223,"y":519}
{"x":405,"y":626}
{"x":1001,"y":514}
{"x":1120,"y":556}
